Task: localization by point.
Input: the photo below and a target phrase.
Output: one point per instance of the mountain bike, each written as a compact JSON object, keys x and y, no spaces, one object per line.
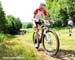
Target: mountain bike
{"x":49,"y":39}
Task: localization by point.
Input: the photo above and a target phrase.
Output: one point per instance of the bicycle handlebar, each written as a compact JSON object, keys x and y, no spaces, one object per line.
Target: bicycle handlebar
{"x":48,"y":22}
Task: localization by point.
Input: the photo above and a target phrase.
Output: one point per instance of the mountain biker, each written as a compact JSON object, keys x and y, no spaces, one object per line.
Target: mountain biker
{"x":37,"y":19}
{"x":70,"y":25}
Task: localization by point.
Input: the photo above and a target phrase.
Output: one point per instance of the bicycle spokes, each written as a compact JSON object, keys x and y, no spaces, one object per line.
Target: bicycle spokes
{"x":50,"y":42}
{"x":48,"y":38}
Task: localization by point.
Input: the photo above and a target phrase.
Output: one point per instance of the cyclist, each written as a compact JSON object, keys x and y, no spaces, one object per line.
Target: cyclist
{"x":37,"y":19}
{"x":70,"y":26}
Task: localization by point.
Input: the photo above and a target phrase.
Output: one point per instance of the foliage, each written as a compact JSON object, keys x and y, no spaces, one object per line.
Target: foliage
{"x":27,"y":25}
{"x":60,"y":10}
{"x":2,"y":37}
{"x":13,"y":25}
{"x":9,"y":24}
{"x":2,"y":19}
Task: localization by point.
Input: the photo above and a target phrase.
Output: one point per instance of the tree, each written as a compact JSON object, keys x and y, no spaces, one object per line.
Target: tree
{"x":60,"y":10}
{"x":29,"y":25}
{"x":2,"y":19}
{"x":14,"y":24}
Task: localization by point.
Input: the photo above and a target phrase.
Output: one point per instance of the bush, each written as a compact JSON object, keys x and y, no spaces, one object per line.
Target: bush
{"x":14,"y":24}
{"x":26,"y":25}
{"x":2,"y":37}
{"x":29,"y":25}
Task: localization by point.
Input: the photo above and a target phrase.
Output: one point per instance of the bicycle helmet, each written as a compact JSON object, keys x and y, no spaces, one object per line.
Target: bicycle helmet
{"x":42,"y":4}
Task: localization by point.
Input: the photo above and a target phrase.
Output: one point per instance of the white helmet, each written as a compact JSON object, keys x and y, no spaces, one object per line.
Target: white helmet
{"x":42,"y":4}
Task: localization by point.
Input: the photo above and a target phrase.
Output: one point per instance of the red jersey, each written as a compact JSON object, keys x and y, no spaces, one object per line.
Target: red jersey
{"x":39,"y":12}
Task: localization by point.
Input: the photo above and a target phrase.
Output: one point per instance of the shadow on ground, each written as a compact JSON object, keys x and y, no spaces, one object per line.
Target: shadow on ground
{"x":66,"y":55}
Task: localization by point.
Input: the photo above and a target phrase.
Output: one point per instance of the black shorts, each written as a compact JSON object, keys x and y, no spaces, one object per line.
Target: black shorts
{"x":38,"y":23}
{"x":70,"y":26}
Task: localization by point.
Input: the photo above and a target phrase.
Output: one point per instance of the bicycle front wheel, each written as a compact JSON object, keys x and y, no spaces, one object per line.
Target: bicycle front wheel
{"x":51,"y":43}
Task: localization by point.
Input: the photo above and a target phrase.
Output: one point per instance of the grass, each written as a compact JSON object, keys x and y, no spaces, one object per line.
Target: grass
{"x":11,"y":47}
{"x":67,"y":43}
{"x":2,"y":37}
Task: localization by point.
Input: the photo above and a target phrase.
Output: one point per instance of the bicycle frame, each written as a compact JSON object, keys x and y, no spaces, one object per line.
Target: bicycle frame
{"x":42,"y":33}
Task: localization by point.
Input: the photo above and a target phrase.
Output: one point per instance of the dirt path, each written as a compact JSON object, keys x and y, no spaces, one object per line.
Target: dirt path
{"x":61,"y":55}
{"x":41,"y":51}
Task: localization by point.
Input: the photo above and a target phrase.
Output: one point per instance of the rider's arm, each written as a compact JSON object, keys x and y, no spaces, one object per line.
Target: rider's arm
{"x":46,"y":14}
{"x":35,"y":12}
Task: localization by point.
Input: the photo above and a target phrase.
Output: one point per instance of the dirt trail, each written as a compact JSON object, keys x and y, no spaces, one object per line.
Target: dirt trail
{"x":41,"y":51}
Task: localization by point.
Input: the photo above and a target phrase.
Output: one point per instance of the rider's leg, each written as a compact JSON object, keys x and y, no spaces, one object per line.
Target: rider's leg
{"x":36,"y":36}
{"x":35,"y":26}
{"x":36,"y":32}
{"x":70,"y":31}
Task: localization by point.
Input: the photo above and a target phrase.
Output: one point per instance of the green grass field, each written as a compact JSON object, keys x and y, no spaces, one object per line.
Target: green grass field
{"x":67,"y":43}
{"x":22,"y":46}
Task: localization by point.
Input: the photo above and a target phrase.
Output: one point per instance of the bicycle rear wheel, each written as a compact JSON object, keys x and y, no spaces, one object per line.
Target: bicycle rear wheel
{"x":35,"y":41}
{"x":51,"y":43}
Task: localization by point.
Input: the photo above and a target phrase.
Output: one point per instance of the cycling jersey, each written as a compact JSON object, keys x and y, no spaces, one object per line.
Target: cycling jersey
{"x":70,"y":22}
{"x":38,"y":13}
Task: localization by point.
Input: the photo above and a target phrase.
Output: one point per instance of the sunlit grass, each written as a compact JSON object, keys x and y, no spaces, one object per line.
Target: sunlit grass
{"x":9,"y":45}
{"x":12,"y":48}
{"x":67,"y":43}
